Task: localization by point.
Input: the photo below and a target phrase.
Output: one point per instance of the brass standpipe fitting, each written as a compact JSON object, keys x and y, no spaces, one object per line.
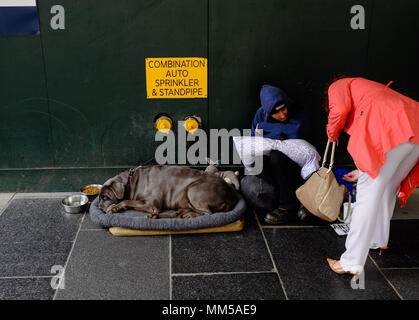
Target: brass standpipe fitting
{"x":192,"y":123}
{"x":163,"y":123}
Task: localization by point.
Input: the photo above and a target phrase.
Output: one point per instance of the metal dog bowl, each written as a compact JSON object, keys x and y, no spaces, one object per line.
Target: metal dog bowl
{"x":90,"y":196}
{"x":75,"y":204}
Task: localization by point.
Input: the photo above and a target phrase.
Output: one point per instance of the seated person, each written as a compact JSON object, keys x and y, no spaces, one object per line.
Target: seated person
{"x":278,"y":118}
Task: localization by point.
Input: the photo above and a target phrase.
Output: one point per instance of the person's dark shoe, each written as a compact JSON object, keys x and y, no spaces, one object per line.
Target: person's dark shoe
{"x":277,"y":216}
{"x":302,"y":213}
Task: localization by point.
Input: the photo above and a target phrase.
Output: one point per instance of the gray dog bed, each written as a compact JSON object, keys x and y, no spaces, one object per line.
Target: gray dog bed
{"x":132,"y":219}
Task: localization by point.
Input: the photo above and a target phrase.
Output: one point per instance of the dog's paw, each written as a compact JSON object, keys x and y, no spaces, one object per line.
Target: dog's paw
{"x":187,"y":215}
{"x":153,"y":216}
{"x":113,"y":208}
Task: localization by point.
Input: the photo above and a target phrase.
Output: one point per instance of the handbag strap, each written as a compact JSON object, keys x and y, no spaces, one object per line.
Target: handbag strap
{"x":332,"y":157}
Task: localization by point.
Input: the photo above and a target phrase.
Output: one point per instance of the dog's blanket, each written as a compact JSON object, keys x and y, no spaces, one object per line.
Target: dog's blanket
{"x":298,"y":150}
{"x":137,"y":220}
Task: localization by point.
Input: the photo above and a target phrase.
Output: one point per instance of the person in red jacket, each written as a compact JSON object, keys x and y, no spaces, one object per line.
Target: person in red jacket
{"x":408,"y":185}
{"x":384,"y":143}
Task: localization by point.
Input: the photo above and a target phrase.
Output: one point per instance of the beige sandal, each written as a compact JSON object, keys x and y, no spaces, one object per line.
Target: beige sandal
{"x":382,"y":250}
{"x":339,"y":270}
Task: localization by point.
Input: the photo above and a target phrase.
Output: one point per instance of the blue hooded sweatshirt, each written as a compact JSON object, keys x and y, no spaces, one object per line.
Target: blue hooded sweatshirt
{"x":292,"y":128}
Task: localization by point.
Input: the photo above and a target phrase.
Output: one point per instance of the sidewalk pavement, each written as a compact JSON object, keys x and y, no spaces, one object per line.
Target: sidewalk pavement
{"x":260,"y":262}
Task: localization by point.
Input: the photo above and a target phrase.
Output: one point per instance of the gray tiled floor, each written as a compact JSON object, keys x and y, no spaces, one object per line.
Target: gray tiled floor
{"x":35,"y":236}
{"x":300,"y":256}
{"x":25,"y":289}
{"x":30,"y":220}
{"x":243,"y":251}
{"x":235,"y":286}
{"x":4,"y":200}
{"x":406,"y":281}
{"x":403,"y":245}
{"x":106,"y":267}
{"x":410,"y":210}
{"x":260,"y":262}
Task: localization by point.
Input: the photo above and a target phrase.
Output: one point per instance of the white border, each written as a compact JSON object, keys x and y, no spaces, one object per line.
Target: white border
{"x":17,"y":3}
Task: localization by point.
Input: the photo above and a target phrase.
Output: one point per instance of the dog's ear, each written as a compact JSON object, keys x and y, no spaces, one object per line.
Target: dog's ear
{"x":209,"y":160}
{"x":118,"y":189}
{"x":231,"y":177}
{"x":211,"y":169}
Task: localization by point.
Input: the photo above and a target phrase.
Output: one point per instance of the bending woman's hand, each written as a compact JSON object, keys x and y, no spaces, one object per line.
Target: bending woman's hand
{"x":351,"y":176}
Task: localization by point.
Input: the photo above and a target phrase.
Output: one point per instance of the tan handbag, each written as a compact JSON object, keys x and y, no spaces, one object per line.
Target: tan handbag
{"x":322,"y":195}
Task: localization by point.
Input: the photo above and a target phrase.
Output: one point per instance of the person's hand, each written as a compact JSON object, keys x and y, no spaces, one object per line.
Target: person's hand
{"x":351,"y":176}
{"x":258,"y":131}
{"x":332,"y":137}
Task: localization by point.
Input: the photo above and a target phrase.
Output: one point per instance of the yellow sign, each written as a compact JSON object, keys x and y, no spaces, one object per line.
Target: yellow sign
{"x":176,"y":77}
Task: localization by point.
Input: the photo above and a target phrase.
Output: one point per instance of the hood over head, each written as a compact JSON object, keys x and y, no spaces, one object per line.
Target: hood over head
{"x":270,"y":96}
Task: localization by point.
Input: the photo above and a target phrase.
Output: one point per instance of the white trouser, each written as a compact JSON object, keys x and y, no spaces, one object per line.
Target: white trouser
{"x":375,"y":202}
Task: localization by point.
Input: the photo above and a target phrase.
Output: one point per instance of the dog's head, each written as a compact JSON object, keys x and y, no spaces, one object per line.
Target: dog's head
{"x":111,"y":192}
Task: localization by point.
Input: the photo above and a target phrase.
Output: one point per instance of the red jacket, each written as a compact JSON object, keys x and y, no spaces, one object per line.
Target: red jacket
{"x":408,"y":185}
{"x":376,"y":117}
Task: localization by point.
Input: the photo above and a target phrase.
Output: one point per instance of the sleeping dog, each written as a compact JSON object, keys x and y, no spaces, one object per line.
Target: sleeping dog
{"x":154,"y":189}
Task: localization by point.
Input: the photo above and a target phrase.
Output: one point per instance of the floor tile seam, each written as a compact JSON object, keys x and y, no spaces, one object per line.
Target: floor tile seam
{"x":170,"y":269}
{"x":7,"y":204}
{"x":33,"y":241}
{"x":385,"y":278}
{"x":40,"y":196}
{"x":26,"y":277}
{"x":271,"y":256}
{"x":220,"y":273}
{"x":400,"y":268}
{"x":69,"y":255}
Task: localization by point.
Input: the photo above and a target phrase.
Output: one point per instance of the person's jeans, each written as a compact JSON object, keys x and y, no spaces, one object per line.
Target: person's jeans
{"x":284,"y":174}
{"x":275,"y":186}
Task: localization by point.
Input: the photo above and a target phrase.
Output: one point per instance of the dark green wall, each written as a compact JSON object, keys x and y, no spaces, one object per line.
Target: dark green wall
{"x":73,"y":107}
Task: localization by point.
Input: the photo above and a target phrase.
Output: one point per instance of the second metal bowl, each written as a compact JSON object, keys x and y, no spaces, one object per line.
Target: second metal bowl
{"x":91,"y":197}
